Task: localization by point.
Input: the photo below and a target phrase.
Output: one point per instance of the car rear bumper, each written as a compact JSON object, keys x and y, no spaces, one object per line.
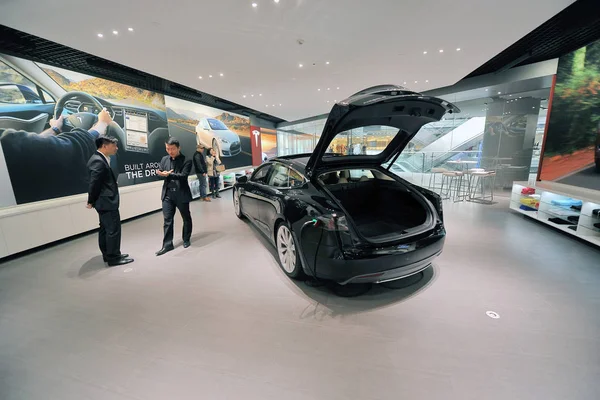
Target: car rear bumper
{"x":378,"y":269}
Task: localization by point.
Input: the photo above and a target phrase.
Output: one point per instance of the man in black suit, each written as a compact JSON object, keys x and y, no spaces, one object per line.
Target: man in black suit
{"x":103,"y":195}
{"x":176,"y":193}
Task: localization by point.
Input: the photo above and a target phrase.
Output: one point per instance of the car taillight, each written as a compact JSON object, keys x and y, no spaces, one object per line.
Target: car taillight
{"x":334,"y":222}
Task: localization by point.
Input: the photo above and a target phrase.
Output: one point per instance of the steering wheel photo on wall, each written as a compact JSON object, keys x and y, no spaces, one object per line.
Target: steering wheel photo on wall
{"x":85,"y":120}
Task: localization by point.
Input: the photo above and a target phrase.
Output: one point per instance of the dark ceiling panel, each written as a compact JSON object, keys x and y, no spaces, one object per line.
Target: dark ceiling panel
{"x":30,"y":47}
{"x":576,"y":26}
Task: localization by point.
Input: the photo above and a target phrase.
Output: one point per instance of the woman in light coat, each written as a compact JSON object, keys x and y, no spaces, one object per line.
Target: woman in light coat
{"x":212,"y":162}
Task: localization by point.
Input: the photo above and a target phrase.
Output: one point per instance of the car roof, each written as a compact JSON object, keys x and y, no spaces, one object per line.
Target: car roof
{"x":298,"y":161}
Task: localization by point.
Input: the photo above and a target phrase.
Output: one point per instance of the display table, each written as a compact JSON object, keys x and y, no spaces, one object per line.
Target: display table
{"x":571,"y":209}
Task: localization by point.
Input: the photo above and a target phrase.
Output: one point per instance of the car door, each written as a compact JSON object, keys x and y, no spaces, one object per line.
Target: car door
{"x":23,"y":104}
{"x":251,"y":192}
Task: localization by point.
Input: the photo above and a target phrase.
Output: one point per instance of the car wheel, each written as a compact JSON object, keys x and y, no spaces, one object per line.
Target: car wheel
{"x":237,"y":205}
{"x":287,"y":250}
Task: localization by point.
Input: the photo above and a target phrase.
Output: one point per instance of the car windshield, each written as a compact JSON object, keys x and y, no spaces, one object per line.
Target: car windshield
{"x":363,"y":141}
{"x":216,"y":125}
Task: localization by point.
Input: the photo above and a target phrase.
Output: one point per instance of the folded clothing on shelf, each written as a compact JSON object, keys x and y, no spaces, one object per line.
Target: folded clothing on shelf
{"x":560,"y":221}
{"x":567,"y":202}
{"x":530,"y":202}
{"x":528,"y":190}
{"x":527,"y":208}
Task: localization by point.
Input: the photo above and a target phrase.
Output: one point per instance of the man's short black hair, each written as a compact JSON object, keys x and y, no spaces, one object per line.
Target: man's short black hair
{"x":102,"y":140}
{"x":172,"y":142}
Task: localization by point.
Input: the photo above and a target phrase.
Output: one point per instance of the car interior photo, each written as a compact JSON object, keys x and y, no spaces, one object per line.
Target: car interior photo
{"x":300,"y":200}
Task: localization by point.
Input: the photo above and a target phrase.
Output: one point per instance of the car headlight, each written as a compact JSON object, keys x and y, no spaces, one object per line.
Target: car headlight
{"x":224,"y":140}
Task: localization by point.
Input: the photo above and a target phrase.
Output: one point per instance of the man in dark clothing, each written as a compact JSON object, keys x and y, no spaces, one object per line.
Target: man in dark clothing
{"x":50,"y":164}
{"x":176,"y":193}
{"x":103,"y":195}
{"x":200,"y":166}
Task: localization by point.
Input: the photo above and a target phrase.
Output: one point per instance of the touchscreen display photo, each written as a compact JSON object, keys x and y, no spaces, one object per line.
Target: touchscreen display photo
{"x":136,"y":128}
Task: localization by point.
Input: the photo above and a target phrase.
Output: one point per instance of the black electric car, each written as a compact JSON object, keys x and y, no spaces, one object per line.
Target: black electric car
{"x":345,"y":217}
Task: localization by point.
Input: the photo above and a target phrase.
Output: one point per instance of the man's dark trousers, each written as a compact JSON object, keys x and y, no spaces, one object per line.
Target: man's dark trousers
{"x":109,"y":237}
{"x":173,"y":201}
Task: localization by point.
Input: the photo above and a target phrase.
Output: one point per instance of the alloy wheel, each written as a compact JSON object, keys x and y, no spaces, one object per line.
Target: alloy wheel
{"x":286,"y":249}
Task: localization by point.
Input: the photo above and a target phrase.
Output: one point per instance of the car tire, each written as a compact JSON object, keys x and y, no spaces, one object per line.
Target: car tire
{"x":237,"y":204}
{"x":288,"y":252}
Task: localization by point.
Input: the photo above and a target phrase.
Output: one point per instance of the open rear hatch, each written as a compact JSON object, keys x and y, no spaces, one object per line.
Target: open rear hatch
{"x":363,"y":132}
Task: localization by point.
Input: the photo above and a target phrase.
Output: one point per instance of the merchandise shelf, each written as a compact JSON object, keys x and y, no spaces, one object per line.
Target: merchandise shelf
{"x":555,"y":202}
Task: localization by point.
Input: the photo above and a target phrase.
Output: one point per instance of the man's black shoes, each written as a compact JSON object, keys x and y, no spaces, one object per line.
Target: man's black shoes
{"x":118,"y":258}
{"x":165,"y":250}
{"x":186,"y":245}
{"x":120,"y":261}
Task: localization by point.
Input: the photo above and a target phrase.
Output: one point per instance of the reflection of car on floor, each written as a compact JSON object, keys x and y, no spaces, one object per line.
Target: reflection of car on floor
{"x":214,"y":133}
{"x":348,"y":218}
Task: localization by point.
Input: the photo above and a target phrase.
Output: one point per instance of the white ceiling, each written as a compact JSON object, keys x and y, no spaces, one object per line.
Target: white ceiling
{"x":366,"y":42}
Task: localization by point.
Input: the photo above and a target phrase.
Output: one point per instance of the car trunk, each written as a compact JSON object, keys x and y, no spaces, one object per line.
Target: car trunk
{"x":383,"y":210}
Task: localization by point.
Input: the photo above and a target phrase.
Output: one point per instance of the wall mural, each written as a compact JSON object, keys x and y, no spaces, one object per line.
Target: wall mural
{"x":38,"y":163}
{"x":572,"y":148}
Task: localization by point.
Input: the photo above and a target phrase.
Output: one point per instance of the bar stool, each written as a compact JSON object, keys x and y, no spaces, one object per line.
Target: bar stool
{"x":433,"y":175}
{"x":480,"y":179}
{"x":453,"y":181}
{"x":469,"y":174}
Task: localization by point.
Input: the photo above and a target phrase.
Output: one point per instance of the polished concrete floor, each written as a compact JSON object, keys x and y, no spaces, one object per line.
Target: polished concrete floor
{"x":221,"y":321}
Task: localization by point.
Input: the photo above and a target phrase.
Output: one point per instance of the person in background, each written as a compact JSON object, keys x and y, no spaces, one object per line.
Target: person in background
{"x":176,"y":193}
{"x":199,"y":160}
{"x":212,"y":162}
{"x":103,"y":196}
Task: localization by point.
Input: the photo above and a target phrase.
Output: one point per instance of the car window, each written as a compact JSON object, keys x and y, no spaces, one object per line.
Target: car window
{"x":296,"y":179}
{"x":10,"y":94}
{"x":47,"y":97}
{"x":261,"y":174}
{"x":363,"y":141}
{"x":279,"y":177}
{"x":357,"y":174}
{"x":205,"y":125}
{"x":217,"y":125}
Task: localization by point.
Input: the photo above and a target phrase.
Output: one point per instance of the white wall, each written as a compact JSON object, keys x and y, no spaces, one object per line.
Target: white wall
{"x":31,"y":225}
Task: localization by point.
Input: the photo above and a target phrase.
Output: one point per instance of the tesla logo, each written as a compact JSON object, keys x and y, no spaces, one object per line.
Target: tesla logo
{"x":80,"y":120}
{"x":256,"y":134}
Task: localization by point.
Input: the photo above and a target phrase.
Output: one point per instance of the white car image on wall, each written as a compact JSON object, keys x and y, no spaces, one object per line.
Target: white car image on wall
{"x":214,"y":133}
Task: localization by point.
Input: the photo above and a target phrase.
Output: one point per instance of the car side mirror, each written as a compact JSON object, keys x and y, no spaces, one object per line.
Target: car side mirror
{"x":242,"y":179}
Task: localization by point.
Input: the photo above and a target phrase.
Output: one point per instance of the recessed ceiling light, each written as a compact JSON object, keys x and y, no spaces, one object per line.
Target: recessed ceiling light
{"x":318,"y":90}
{"x":130,"y":29}
{"x":328,"y":101}
{"x":210,"y":76}
{"x":328,"y":88}
{"x":458,"y":49}
{"x":416,"y":81}
{"x":276,"y":1}
{"x":251,"y":95}
{"x":426,"y":80}
{"x":260,"y":95}
{"x":273,"y":105}
{"x":100,"y":35}
{"x":115,"y":32}
{"x":244,"y":96}
{"x":267,"y":106}
{"x":254,"y":5}
{"x":221,"y":74}
{"x":499,"y":92}
{"x":338,"y":88}
{"x":300,"y":65}
{"x":199,"y":77}
{"x":441,"y":50}
{"x":327,"y":63}
{"x":424,"y":52}
{"x":279,"y":104}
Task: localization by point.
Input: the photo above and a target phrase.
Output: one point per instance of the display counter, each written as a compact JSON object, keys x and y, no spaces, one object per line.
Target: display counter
{"x":573,"y":210}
